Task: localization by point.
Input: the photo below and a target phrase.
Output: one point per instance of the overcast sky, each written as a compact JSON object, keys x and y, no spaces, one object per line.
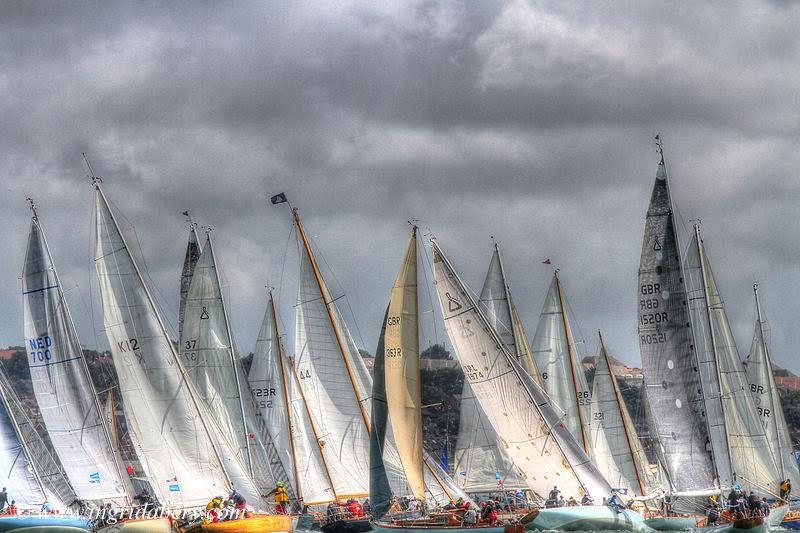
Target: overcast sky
{"x":528,"y":121}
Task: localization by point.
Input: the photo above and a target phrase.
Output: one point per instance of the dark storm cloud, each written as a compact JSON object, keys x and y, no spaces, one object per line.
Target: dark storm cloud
{"x":531,"y":122}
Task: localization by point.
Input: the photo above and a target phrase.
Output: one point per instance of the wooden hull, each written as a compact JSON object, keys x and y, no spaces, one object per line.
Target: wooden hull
{"x":585,"y":518}
{"x":44,"y":524}
{"x":361,"y":525}
{"x":382,"y":527}
{"x":144,"y":525}
{"x":255,"y":524}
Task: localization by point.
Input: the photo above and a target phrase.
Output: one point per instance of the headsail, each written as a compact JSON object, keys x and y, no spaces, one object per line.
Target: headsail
{"x":561,"y":370}
{"x":61,"y":382}
{"x":540,"y":445}
{"x":738,"y":442}
{"x":758,"y":367}
{"x":193,"y":251}
{"x":177,"y":449}
{"x":618,"y":453}
{"x":665,"y":341}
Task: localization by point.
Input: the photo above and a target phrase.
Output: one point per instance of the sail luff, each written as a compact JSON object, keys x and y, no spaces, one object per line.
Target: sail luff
{"x":285,"y":387}
{"x":571,"y":359}
{"x":621,"y":407}
{"x":323,"y":289}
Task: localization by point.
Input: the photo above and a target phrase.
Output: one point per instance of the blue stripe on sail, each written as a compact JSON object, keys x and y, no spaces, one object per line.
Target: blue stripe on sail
{"x":40,"y":290}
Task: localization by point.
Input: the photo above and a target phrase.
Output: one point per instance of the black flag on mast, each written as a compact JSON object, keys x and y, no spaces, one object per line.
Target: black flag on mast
{"x":278,"y":198}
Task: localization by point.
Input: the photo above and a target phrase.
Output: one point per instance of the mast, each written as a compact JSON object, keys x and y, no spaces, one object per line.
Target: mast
{"x":175,"y":359}
{"x":285,"y":393}
{"x":620,"y":405}
{"x":326,"y":299}
{"x":232,"y":355}
{"x":123,"y":475}
{"x":570,"y":352}
{"x":770,"y":381}
{"x":714,"y":354}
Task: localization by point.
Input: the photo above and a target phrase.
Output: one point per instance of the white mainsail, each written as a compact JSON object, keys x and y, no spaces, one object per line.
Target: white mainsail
{"x":32,"y":475}
{"x":481,"y":464}
{"x":218,"y":376}
{"x":179,"y":454}
{"x":739,"y":445}
{"x":618,"y":453}
{"x":561,"y":370}
{"x":61,"y":382}
{"x":518,"y":409}
{"x":758,"y":367}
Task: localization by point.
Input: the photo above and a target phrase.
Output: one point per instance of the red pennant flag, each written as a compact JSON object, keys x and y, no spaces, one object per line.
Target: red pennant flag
{"x":546,"y":261}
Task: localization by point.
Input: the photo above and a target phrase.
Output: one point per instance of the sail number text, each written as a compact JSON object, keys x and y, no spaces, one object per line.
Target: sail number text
{"x":40,"y":349}
{"x":394,"y":352}
{"x":472,"y":373}
{"x":393,"y":321}
{"x":263,"y":397}
{"x":128,"y":345}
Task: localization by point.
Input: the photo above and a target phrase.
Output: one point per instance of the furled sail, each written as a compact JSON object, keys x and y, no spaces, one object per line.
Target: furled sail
{"x":217,"y":373}
{"x":665,"y":341}
{"x":540,"y":445}
{"x":277,"y":395}
{"x":561,"y":370}
{"x":738,"y":442}
{"x":61,"y":382}
{"x":481,"y":464}
{"x":618,"y":453}
{"x":27,"y":467}
{"x":179,"y":454}
{"x":189,"y":261}
{"x":758,"y":367}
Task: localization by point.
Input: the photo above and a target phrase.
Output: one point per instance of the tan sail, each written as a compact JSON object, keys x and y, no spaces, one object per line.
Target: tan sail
{"x":402,"y":371}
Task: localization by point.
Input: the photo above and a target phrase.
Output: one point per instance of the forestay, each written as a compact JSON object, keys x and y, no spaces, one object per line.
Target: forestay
{"x":741,"y":454}
{"x":668,"y":358}
{"x":64,"y":392}
{"x":540,"y":445}
{"x":177,"y":452}
{"x":217,"y":374}
{"x":758,"y":368}
{"x":561,"y":371}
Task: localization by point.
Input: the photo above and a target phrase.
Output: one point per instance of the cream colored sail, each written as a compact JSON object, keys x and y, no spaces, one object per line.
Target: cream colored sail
{"x":403,"y":388}
{"x":540,"y":445}
{"x":758,"y":368}
{"x":61,"y":383}
{"x":561,"y":370}
{"x":182,"y":456}
{"x":618,"y":453}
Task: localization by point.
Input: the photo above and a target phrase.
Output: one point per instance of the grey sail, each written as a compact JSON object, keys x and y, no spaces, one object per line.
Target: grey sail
{"x":670,"y":369}
{"x":193,"y":251}
{"x":380,"y":490}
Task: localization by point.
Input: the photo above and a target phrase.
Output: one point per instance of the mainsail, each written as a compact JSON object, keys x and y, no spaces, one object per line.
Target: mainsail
{"x":61,"y":381}
{"x":618,"y":453}
{"x":193,"y":251}
{"x":481,"y":463}
{"x":738,"y":442}
{"x":561,"y":370}
{"x":181,"y":457}
{"x":218,"y":376}
{"x":26,"y":464}
{"x":542,"y":448}
{"x":665,"y":341}
{"x":758,"y":367}
{"x":278,"y":396}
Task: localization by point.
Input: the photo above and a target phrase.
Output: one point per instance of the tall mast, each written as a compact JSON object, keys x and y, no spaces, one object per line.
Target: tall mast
{"x":234,"y":366}
{"x":326,"y":299}
{"x":620,"y":404}
{"x":123,"y":475}
{"x":176,"y":360}
{"x":285,"y":393}
{"x":768,"y":362}
{"x":507,"y":292}
{"x":714,"y":354}
{"x":571,"y":356}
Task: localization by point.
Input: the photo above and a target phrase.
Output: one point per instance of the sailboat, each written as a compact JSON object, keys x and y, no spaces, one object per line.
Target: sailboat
{"x":481,"y":463}
{"x":185,"y":458}
{"x":561,"y":370}
{"x":397,"y":408}
{"x":61,"y":382}
{"x":520,"y":411}
{"x":706,"y":420}
{"x":618,"y":453}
